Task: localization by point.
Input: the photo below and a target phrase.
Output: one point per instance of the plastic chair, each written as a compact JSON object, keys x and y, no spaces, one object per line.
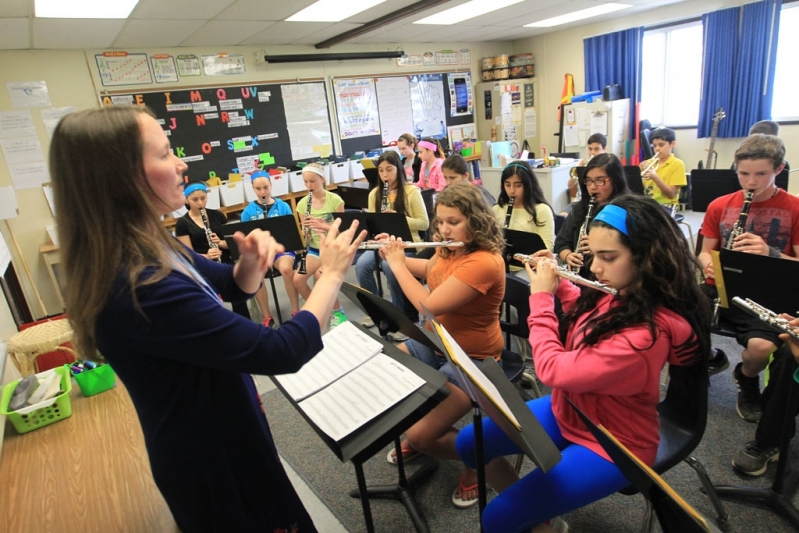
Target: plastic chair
{"x":683,"y":418}
{"x":517,"y":294}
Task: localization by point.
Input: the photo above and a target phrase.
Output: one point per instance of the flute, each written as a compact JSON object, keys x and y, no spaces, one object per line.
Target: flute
{"x":411,"y":244}
{"x":565,"y":273}
{"x":765,"y":315}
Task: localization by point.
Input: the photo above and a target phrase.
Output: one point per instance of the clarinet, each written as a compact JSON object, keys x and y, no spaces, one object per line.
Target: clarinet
{"x":384,"y":204}
{"x":307,"y":235}
{"x":737,"y":229}
{"x":509,"y":212}
{"x":208,"y":233}
{"x":584,"y":228}
{"x":264,"y":208}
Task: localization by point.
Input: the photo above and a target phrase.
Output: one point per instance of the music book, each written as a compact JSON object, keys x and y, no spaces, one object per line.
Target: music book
{"x":349,"y":382}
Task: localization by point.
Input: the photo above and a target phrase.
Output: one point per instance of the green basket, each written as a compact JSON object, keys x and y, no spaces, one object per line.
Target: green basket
{"x":96,"y":380}
{"x":43,"y":413}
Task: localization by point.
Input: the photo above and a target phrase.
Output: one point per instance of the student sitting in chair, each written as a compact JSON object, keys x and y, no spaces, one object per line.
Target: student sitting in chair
{"x":610,"y":365}
{"x":596,"y":145}
{"x":455,"y":168}
{"x":771,"y":228}
{"x":664,"y":174}
{"x":530,"y":211}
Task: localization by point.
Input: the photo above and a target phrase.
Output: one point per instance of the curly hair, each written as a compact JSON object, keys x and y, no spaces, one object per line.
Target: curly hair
{"x":393,"y":159}
{"x":482,"y":227}
{"x":665,"y":269}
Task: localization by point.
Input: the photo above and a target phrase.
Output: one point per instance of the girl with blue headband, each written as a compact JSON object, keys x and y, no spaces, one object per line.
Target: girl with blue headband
{"x":609,"y":365}
{"x":152,"y":307}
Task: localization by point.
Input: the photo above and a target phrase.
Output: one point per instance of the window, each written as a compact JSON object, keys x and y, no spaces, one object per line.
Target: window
{"x":672,"y":75}
{"x":785,"y":105}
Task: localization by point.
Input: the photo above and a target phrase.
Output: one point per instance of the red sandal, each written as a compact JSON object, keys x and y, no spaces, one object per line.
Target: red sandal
{"x":408,"y":455}
{"x":458,"y":501}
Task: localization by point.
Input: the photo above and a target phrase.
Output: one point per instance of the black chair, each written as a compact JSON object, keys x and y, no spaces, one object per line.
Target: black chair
{"x":517,"y":294}
{"x":683,"y":418}
{"x":559,"y":220}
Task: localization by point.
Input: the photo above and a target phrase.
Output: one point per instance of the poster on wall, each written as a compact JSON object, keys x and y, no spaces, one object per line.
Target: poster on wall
{"x":409,"y":61}
{"x":188,"y":65}
{"x":164,"y":68}
{"x":447,"y":57}
{"x":306,"y":111}
{"x":427,"y":103}
{"x":393,"y":101}
{"x":122,"y":68}
{"x":28,"y":94}
{"x":460,"y":94}
{"x":224,"y":65}
{"x":356,"y":102}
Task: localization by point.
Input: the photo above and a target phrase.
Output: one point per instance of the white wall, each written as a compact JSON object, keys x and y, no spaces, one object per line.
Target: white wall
{"x":559,"y":53}
{"x":72,"y":80}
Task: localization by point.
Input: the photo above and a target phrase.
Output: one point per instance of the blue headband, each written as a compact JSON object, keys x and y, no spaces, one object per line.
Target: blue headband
{"x":516,"y":165}
{"x":615,"y":217}
{"x":260,"y":174}
{"x":192,"y":187}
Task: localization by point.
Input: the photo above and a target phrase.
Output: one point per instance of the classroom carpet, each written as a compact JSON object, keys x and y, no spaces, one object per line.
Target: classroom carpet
{"x":332,"y":480}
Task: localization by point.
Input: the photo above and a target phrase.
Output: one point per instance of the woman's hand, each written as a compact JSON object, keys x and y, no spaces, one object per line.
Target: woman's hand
{"x":544,"y":277}
{"x":336,"y":250}
{"x":582,"y":246}
{"x":574,"y":260}
{"x":393,"y":252}
{"x":214,"y":254}
{"x":257,"y":249}
{"x":215,"y":239}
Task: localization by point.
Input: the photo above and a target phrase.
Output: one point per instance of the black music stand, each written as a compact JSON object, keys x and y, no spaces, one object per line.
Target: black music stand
{"x":674,"y":514}
{"x":361,"y":445}
{"x":283,"y":229}
{"x":632,"y":173}
{"x":520,"y":242}
{"x":709,"y":184}
{"x":389,"y":317}
{"x":527,"y":433}
{"x":743,"y":277}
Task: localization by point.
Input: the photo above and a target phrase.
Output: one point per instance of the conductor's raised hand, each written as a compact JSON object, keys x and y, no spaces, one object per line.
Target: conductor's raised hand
{"x":336,"y":250}
{"x":257,"y":249}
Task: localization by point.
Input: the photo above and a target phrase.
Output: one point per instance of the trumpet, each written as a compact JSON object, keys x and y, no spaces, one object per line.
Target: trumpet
{"x":376,"y":245}
{"x":651,"y":164}
{"x":565,"y":273}
{"x":768,"y":317}
{"x":573,"y":170}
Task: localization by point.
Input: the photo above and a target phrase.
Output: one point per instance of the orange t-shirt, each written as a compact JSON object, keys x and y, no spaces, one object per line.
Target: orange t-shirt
{"x":474,"y":326}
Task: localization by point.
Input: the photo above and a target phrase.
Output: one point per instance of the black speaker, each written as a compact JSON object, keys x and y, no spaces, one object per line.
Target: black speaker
{"x":612,"y":92}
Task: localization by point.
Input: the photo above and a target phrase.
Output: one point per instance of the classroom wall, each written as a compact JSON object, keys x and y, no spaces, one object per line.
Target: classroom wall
{"x":72,"y":80}
{"x":561,"y":52}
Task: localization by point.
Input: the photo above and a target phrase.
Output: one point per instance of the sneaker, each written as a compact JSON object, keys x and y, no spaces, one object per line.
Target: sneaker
{"x":559,"y":525}
{"x":398,"y":336}
{"x":367,"y":322}
{"x":269,"y":322}
{"x":748,"y":404}
{"x":753,"y":459}
{"x":718,"y":363}
{"x":336,"y":319}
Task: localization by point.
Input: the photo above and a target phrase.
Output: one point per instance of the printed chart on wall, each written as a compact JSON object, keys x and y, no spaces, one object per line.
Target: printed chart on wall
{"x":393,"y":99}
{"x":427,"y":103}
{"x":122,"y":68}
{"x":356,"y":102}
{"x":240,"y":129}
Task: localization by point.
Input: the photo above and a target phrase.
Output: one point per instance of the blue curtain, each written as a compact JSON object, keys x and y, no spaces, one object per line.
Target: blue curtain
{"x":616,"y":58}
{"x":740,"y":51}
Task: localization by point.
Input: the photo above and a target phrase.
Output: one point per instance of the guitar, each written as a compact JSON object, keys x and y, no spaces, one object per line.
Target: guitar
{"x":712,"y":155}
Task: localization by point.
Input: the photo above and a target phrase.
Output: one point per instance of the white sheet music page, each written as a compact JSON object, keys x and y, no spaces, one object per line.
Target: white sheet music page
{"x":465,"y":362}
{"x":346,"y":348}
{"x":363,"y":394}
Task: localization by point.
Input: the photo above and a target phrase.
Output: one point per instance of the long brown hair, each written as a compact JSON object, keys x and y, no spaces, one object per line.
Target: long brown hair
{"x":482,"y":226}
{"x":106,"y":222}
{"x":400,"y":199}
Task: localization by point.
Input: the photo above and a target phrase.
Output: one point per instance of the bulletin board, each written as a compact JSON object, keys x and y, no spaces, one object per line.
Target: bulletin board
{"x":374,"y":111}
{"x":240,"y":128}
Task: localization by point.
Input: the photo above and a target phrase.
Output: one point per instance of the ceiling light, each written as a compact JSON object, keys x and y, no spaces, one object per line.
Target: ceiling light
{"x":84,"y":9}
{"x":466,"y":11}
{"x":332,"y":10}
{"x":578,"y":15}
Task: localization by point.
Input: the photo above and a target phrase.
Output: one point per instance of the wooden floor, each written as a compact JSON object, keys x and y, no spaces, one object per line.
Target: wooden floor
{"x":87,"y":473}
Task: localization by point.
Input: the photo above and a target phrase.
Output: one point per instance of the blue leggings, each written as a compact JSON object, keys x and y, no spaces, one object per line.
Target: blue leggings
{"x":581,"y":477}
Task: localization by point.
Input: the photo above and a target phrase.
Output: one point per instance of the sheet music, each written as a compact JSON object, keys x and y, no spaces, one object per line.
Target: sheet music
{"x":346,"y":348}
{"x":363,"y":394}
{"x":465,"y":363}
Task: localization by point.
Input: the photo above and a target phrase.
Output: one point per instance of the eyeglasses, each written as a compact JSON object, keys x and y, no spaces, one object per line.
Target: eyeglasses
{"x":599,"y":182}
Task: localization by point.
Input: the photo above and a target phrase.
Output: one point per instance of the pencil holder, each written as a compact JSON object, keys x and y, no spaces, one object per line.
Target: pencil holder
{"x":96,"y":380}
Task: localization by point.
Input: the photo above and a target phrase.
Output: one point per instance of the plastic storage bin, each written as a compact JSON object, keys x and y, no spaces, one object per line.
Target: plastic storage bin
{"x":96,"y":380}
{"x":43,"y":413}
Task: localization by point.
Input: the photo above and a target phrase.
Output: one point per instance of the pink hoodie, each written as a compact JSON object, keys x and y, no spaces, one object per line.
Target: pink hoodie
{"x":616,"y":382}
{"x":436,"y":178}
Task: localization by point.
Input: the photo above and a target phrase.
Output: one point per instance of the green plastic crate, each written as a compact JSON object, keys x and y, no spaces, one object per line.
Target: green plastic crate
{"x":43,"y":413}
{"x":96,"y":380}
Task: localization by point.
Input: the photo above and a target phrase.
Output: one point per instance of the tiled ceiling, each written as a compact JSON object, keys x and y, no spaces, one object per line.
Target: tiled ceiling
{"x":212,"y":23}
